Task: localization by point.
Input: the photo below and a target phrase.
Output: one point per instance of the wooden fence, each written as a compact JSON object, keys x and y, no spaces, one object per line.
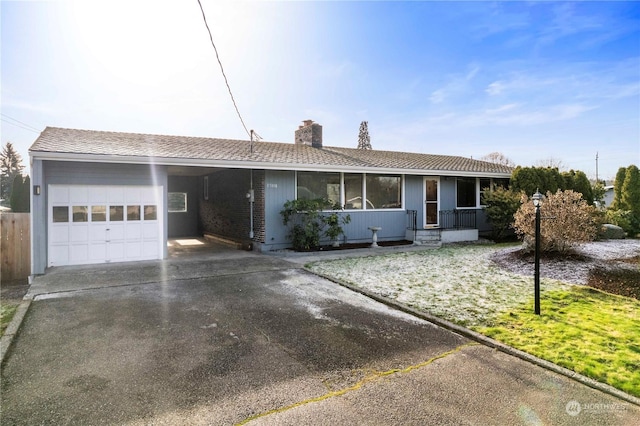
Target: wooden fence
{"x":15,"y":246}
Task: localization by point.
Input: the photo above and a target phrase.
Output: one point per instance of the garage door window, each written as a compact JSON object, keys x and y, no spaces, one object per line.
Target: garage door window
{"x":80,"y":214}
{"x":150,"y":213}
{"x":98,"y":213}
{"x":116,"y":213}
{"x":133,"y":212}
{"x":60,"y":214}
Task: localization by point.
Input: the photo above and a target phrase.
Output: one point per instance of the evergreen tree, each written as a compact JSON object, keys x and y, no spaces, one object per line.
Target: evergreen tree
{"x":364,"y":141}
{"x":20,"y":194}
{"x":10,"y":167}
{"x":630,"y":198}
{"x":617,"y":189}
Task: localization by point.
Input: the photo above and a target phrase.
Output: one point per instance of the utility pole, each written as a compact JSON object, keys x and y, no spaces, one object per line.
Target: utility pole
{"x":597,"y":167}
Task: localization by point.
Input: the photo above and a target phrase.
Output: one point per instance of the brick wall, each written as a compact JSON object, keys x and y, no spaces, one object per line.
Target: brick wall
{"x":226,"y":212}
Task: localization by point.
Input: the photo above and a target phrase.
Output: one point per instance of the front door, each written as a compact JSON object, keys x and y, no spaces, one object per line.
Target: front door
{"x":431,"y":201}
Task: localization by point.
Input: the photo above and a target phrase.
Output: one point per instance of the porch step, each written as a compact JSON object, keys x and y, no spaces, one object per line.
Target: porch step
{"x":430,"y":237}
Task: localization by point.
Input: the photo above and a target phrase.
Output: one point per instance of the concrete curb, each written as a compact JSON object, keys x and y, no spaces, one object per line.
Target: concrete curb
{"x":487,"y":341}
{"x":13,"y":328}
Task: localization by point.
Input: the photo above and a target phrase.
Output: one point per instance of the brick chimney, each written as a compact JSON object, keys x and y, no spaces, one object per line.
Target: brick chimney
{"x":310,"y":134}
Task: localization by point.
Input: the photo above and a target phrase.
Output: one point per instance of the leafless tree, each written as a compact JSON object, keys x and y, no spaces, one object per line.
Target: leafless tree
{"x":498,"y":158}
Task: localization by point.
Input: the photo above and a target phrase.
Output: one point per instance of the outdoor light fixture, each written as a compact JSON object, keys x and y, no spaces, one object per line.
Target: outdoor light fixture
{"x":537,"y":202}
{"x":36,"y":189}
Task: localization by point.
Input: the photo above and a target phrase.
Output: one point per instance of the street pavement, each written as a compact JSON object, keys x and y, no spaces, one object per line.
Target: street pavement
{"x":240,"y":337}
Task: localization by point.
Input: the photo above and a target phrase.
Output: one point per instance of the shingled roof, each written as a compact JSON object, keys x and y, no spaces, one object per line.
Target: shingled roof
{"x":73,"y":144}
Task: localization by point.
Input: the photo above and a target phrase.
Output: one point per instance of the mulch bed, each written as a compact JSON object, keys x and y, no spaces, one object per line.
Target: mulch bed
{"x":617,"y":280}
{"x":350,"y":246}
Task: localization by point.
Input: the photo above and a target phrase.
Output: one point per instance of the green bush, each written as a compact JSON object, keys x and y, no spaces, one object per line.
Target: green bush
{"x":625,"y":219}
{"x":501,"y":205}
{"x":309,"y":223}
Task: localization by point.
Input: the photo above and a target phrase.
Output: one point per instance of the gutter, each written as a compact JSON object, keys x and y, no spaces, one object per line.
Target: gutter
{"x":265,"y":165}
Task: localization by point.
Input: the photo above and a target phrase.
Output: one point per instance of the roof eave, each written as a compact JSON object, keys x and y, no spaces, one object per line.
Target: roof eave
{"x":266,"y":165}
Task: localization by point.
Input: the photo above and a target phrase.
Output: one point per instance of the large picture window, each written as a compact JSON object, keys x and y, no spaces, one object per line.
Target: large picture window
{"x":357,"y":191}
{"x":353,"y":199}
{"x":466,"y":192}
{"x":384,"y":191}
{"x":313,"y":185}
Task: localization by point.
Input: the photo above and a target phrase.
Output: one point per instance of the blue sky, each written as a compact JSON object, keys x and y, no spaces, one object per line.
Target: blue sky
{"x":532,"y":80}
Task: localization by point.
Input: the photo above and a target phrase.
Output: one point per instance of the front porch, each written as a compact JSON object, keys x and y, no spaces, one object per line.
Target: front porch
{"x":453,"y":226}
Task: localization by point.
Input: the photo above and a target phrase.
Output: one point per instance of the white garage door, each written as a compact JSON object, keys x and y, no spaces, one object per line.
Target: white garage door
{"x":98,"y":224}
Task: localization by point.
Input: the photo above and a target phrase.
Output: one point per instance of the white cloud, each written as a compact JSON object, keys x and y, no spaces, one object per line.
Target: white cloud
{"x":457,"y":85}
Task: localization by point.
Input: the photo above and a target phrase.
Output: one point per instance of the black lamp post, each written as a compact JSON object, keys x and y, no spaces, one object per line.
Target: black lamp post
{"x":537,"y":202}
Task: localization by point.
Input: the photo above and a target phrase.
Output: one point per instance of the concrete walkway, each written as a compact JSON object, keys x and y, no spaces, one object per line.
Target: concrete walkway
{"x":240,"y":337}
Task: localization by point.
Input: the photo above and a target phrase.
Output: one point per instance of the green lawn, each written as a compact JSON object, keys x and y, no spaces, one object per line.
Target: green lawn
{"x":7,"y":311}
{"x":591,"y":332}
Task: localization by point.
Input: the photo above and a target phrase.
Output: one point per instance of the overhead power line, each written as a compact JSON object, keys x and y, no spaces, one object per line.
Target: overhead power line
{"x":18,"y":123}
{"x":204,"y":17}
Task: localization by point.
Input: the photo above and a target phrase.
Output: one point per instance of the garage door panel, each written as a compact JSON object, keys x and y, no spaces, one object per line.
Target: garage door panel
{"x":98,"y":252}
{"x":98,"y":233}
{"x":134,"y":250}
{"x":79,"y":233}
{"x":116,"y":232}
{"x":150,"y":230}
{"x":78,"y":254}
{"x":104,"y":223}
{"x":115,"y":252}
{"x":78,"y":194}
{"x":59,"y":234}
{"x":59,"y":255}
{"x":115,"y":194}
{"x":150,"y":250}
{"x":59,"y":195}
{"x":134,"y":231}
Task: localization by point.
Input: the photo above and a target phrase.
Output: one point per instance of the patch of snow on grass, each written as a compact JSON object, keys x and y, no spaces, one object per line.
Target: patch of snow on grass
{"x":457,"y":283}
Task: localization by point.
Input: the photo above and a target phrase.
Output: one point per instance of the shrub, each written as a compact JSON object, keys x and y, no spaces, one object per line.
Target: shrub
{"x":625,"y":219}
{"x":308,"y":222}
{"x":567,"y":219}
{"x":501,"y":205}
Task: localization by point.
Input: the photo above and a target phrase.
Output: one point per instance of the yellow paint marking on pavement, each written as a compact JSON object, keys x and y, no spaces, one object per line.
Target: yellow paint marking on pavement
{"x":369,"y":378}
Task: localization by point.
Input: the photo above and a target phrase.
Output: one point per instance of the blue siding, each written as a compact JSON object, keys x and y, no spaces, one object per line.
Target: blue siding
{"x":279,"y":187}
{"x":393,"y":223}
{"x":38,"y":220}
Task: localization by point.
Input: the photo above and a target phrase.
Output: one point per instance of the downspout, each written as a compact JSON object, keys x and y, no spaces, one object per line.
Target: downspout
{"x":251,"y":197}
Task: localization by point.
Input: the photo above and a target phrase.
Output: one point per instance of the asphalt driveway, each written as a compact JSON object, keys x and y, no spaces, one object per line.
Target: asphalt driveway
{"x":254,"y":338}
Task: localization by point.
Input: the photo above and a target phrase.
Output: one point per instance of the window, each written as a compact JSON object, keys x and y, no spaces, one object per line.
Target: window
{"x":80,"y":213}
{"x":384,"y":191}
{"x":133,"y":212}
{"x":312,"y":185}
{"x":98,"y":213}
{"x":60,"y":214}
{"x":177,"y":202}
{"x":116,"y":213}
{"x":150,"y":212}
{"x":353,"y":191}
{"x":466,"y":192}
